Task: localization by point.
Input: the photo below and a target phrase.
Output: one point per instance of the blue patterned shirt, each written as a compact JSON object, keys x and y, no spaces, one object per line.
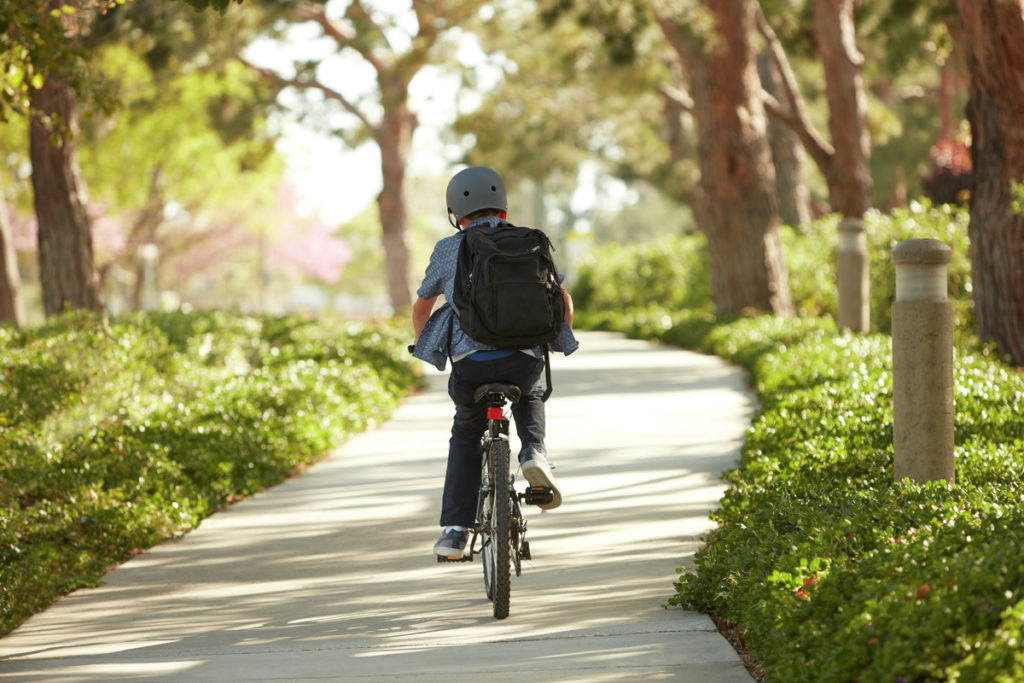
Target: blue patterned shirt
{"x":434,"y":345}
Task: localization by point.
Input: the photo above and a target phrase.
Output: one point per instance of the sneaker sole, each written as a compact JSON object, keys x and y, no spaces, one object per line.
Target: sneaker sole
{"x":449,"y":556}
{"x":449,"y":553}
{"x":538,"y":475}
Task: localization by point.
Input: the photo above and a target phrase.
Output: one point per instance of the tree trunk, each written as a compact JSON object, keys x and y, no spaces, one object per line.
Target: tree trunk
{"x":737,"y":178}
{"x":947,"y":90}
{"x":787,"y":154}
{"x":67,"y":270}
{"x":394,"y":137}
{"x":994,"y":42}
{"x":143,"y":238}
{"x":12,"y":307}
{"x":679,"y":123}
{"x":849,"y":175}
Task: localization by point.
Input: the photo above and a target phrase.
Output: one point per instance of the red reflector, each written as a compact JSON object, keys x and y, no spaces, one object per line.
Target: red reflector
{"x":494,"y":413}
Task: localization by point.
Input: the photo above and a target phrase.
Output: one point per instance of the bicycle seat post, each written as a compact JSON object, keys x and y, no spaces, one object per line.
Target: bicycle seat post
{"x":496,"y":394}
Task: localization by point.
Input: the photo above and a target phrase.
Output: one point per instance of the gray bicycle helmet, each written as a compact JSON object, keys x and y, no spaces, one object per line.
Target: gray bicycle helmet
{"x":474,"y":189}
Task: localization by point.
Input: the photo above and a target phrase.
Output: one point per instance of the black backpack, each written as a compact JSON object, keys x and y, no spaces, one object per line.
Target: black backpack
{"x":507,"y":289}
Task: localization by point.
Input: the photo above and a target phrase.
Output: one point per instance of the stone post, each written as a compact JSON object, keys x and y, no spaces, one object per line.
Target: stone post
{"x":149,"y":254}
{"x":852,"y":276}
{"x":922,"y":363}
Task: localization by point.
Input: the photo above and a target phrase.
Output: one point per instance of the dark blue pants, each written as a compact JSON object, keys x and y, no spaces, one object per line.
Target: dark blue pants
{"x":462,"y":478}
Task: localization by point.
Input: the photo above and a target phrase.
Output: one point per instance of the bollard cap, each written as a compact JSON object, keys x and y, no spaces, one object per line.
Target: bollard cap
{"x":921,"y":252}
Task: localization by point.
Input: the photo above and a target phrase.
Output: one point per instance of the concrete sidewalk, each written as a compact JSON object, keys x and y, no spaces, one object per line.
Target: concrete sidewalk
{"x":330,"y":576}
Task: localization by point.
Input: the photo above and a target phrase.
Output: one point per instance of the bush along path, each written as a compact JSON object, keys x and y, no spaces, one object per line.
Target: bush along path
{"x":828,"y":569}
{"x":114,"y":437}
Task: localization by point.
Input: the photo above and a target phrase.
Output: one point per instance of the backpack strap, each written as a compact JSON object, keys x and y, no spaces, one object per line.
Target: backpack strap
{"x":547,"y":374}
{"x":451,"y":335}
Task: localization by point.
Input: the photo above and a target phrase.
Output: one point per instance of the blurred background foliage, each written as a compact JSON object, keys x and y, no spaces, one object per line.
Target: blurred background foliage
{"x":186,"y":148}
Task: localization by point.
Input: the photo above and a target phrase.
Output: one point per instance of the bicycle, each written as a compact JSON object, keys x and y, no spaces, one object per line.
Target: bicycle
{"x":499,"y":533}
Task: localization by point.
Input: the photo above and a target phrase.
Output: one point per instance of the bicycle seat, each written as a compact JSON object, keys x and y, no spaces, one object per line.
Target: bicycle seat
{"x":509,"y":391}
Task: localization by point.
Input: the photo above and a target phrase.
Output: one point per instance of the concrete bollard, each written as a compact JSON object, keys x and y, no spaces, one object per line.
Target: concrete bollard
{"x":852,"y":276}
{"x":922,"y":363}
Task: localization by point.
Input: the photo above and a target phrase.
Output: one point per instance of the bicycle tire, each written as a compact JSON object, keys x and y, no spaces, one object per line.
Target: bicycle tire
{"x":501,"y":528}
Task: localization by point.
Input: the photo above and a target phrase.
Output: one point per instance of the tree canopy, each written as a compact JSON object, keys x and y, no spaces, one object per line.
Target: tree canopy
{"x":597,"y":82}
{"x":35,"y":42}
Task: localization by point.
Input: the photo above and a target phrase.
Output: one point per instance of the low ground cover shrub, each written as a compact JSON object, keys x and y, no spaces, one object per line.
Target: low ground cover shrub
{"x":116,"y":436}
{"x":830,"y":569}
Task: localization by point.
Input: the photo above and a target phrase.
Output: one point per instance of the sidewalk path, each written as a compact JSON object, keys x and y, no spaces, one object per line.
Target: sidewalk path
{"x":330,"y":575}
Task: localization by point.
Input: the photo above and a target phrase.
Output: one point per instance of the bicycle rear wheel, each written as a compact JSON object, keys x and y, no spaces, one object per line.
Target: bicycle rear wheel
{"x":496,"y":548}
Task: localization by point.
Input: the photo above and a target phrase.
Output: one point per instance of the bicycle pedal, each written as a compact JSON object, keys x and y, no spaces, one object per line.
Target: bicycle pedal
{"x":444,"y":560}
{"x":524,"y":551}
{"x":537,"y":495}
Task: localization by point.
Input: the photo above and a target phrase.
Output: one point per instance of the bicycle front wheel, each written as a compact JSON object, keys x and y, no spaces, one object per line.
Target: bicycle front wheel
{"x":496,"y":548}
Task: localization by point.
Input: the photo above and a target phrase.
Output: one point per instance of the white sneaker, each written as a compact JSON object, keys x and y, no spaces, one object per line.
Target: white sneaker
{"x":452,"y":544}
{"x":538,"y":472}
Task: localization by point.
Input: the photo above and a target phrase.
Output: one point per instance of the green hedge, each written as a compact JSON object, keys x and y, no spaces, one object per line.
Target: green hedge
{"x":116,"y":436}
{"x":811,"y":259}
{"x":673,"y":272}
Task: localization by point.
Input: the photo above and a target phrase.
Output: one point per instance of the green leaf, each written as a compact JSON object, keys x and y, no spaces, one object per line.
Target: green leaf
{"x":15,"y":76}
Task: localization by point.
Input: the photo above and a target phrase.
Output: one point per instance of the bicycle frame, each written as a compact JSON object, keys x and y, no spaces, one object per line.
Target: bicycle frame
{"x":498,"y":430}
{"x":499,"y":532}
{"x":499,"y":535}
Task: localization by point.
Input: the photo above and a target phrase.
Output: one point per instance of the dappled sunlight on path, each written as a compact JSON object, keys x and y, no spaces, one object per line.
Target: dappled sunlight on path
{"x":330,"y":575}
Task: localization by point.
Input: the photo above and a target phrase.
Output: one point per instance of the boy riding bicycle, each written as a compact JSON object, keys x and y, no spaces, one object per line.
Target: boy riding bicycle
{"x":477,"y":199}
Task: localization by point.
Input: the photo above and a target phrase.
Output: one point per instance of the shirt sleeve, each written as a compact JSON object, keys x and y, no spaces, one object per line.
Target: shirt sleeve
{"x":433,"y":279}
{"x":433,"y":342}
{"x":566,"y":341}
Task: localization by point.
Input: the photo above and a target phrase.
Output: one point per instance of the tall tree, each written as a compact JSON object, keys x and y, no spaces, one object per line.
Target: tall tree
{"x":850,"y":178}
{"x":12,"y":307}
{"x":741,"y":213}
{"x":388,"y":119}
{"x":845,"y":160}
{"x":190,"y":144}
{"x":732,"y":198}
{"x":993,"y":35}
{"x":41,"y":42}
{"x":787,"y":152}
{"x":67,"y":269}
